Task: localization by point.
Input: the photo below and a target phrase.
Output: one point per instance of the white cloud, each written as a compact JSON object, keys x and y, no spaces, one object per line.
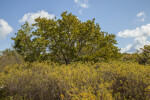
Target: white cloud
{"x":140,"y":35}
{"x":30,"y":17}
{"x":142,"y":19}
{"x":80,"y":12}
{"x":82,"y":3}
{"x":127,"y":48}
{"x":144,"y":30}
{"x":5,"y":29}
{"x":141,"y":16}
{"x":138,"y":43}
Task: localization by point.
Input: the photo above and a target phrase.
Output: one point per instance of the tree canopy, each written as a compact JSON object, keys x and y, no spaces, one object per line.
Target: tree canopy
{"x":65,"y":40}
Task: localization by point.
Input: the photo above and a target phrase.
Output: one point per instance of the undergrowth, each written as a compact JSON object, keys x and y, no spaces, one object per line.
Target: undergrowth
{"x":100,"y":81}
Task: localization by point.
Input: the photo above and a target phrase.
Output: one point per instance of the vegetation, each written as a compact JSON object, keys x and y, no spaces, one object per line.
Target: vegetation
{"x":65,"y":40}
{"x":142,"y":57}
{"x":49,"y":81}
{"x":9,"y":57}
{"x":65,"y":59}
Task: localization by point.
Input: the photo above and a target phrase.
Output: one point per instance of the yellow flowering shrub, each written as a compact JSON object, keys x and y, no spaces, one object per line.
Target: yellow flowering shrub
{"x":100,"y":81}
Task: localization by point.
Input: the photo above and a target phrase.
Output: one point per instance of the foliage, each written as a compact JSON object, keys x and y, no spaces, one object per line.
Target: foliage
{"x":65,"y":40}
{"x":26,"y":46}
{"x":127,"y":57}
{"x":51,"y":81}
{"x":9,"y":57}
{"x":144,"y":56}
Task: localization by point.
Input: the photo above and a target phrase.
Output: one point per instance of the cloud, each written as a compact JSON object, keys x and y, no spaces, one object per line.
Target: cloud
{"x":136,"y":45}
{"x":80,"y":12}
{"x":141,"y":16}
{"x":127,"y":48}
{"x":140,"y":35}
{"x":144,"y":30}
{"x":30,"y":17}
{"x":5,"y":29}
{"x":82,"y":3}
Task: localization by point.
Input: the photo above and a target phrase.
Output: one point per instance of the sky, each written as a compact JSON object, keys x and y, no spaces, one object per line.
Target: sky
{"x":129,"y":20}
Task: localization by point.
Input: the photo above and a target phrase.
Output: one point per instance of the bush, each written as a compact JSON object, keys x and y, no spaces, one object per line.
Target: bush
{"x":9,"y":57}
{"x":102,"y":81}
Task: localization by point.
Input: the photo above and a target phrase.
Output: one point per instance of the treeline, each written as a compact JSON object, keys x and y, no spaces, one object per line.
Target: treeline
{"x":142,"y":56}
{"x":10,"y":57}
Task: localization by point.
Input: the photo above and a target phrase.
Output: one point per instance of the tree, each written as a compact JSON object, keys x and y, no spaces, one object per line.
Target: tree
{"x":65,"y":40}
{"x":144,"y":56}
{"x":28,"y":45}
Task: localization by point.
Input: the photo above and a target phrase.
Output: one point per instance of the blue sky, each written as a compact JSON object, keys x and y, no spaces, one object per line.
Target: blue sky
{"x":129,"y":20}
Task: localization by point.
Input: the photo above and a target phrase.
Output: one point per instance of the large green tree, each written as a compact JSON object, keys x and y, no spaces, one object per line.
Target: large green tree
{"x":65,"y":40}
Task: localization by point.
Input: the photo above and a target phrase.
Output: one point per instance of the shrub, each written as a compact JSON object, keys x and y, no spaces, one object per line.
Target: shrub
{"x":102,"y":81}
{"x":9,"y":57}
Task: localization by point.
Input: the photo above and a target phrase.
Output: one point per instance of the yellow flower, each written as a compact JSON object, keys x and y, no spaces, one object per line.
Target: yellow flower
{"x":62,"y":96}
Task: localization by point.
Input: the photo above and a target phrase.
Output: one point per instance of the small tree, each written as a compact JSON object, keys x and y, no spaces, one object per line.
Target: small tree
{"x":65,"y":40}
{"x":144,"y":56}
